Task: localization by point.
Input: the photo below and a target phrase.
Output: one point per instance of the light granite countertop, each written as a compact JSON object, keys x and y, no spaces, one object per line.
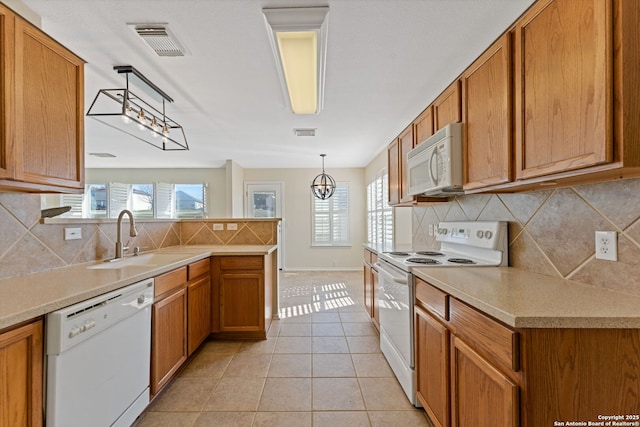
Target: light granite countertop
{"x":32,"y":295}
{"x":528,"y":300}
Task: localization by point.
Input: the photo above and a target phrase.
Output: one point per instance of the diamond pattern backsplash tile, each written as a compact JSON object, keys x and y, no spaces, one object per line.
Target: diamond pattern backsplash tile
{"x":552,"y":232}
{"x":27,"y":246}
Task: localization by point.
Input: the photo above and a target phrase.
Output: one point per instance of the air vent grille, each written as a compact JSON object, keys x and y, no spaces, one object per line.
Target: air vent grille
{"x":160,"y":39}
{"x":304,"y":132}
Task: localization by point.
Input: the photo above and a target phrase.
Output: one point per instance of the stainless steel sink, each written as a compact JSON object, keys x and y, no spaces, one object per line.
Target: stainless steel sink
{"x":140,"y":261}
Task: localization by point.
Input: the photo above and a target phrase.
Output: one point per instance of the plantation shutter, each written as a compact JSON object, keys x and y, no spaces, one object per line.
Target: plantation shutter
{"x":118,"y":197}
{"x":165,"y":201}
{"x":330,"y":218}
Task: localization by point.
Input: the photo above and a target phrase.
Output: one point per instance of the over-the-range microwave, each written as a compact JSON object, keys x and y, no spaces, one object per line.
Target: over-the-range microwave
{"x":434,"y":167}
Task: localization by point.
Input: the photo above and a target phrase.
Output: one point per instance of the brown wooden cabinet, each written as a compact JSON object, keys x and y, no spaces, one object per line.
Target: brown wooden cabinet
{"x":405,"y":140}
{"x":394,"y":169}
{"x":198,"y":304}
{"x":423,"y":126}
{"x":242,"y":296}
{"x":168,"y":327}
{"x":21,"y":362}
{"x":481,"y":394}
{"x":371,"y":287}
{"x":487,"y":117}
{"x":42,"y":115}
{"x":563,"y":96}
{"x":432,"y":367}
{"x":466,"y":363}
{"x":446,"y":107}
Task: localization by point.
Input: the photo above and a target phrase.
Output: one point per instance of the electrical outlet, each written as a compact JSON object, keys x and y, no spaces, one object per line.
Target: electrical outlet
{"x":218,"y":227}
{"x":232,"y":226}
{"x":607,"y":245}
{"x":72,"y":233}
{"x":431,"y":230}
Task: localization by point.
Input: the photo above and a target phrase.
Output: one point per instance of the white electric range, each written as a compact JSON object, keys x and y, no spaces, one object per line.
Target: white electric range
{"x":462,"y":244}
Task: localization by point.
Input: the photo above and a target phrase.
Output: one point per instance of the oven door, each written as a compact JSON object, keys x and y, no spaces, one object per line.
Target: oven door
{"x":396,"y":309}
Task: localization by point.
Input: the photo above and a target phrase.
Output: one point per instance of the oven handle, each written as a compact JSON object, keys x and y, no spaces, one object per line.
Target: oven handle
{"x":386,"y":270}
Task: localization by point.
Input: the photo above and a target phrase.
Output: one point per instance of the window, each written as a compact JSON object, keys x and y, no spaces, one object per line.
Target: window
{"x":379,"y":213}
{"x":145,"y":201}
{"x":330,"y":219}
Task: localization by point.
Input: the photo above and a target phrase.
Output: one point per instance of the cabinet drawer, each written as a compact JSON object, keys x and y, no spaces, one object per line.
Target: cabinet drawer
{"x":241,"y":262}
{"x":171,"y":280}
{"x":198,"y":268}
{"x":488,"y":337}
{"x":367,"y":256}
{"x":432,"y":298}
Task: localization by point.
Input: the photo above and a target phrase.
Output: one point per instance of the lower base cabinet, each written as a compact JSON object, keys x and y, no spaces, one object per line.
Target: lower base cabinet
{"x":21,"y":361}
{"x":198,"y":304}
{"x":168,"y":327}
{"x":370,"y":281}
{"x":242,"y":292}
{"x":474,"y":371}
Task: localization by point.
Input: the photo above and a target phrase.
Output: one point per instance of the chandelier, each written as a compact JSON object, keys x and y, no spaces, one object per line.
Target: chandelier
{"x":126,"y":112}
{"x":323,"y":185}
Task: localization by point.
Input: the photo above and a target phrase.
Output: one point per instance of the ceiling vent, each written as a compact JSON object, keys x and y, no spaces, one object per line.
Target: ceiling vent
{"x":160,"y":39}
{"x":305,"y":132}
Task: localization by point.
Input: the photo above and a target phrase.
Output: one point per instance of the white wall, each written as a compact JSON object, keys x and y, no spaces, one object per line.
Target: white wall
{"x":215,"y":178}
{"x":299,"y":254}
{"x":235,"y":190}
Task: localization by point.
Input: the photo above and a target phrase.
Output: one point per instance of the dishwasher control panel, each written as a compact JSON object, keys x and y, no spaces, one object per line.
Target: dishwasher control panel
{"x":74,"y":324}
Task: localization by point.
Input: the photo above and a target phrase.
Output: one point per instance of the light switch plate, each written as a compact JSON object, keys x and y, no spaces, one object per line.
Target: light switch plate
{"x":218,"y":227}
{"x":72,"y":233}
{"x":232,"y":226}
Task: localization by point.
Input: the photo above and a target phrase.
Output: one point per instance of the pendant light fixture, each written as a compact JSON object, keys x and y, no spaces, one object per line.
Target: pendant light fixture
{"x":323,"y":185}
{"x":122,"y":110}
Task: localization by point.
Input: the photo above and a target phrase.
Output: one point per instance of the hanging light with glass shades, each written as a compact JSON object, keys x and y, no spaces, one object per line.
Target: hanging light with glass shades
{"x":323,"y":185}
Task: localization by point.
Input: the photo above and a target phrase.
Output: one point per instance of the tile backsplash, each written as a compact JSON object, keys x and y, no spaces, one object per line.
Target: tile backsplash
{"x":27,"y":246}
{"x":552,"y":232}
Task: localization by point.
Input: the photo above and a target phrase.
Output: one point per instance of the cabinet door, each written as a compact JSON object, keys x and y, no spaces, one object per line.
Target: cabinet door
{"x":481,"y":395}
{"x":486,"y":117}
{"x":446,"y":108}
{"x":375,"y":297}
{"x":563,"y":81}
{"x":199,"y":312}
{"x":21,"y":376}
{"x":432,"y":367}
{"x":49,"y":110}
{"x":6,"y":98}
{"x":423,"y":125}
{"x":368,"y":289}
{"x":406,"y":144}
{"x":168,"y":338}
{"x":241,"y":301}
{"x":393,"y":163}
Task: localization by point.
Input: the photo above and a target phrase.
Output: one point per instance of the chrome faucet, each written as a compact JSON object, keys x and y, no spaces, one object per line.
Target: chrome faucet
{"x":132,"y":232}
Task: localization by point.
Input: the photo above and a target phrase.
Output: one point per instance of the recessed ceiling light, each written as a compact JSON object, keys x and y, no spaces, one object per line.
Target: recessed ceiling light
{"x":105,"y":155}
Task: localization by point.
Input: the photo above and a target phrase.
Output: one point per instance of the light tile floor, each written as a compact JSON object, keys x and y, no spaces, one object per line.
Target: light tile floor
{"x":320,"y":366}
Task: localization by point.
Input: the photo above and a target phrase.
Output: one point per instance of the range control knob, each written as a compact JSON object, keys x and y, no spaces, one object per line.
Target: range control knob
{"x":480,"y":234}
{"x":488,"y":234}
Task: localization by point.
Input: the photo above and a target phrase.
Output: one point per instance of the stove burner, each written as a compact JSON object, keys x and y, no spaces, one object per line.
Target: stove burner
{"x":430,"y":253}
{"x":461,"y":261}
{"x":398,"y":253}
{"x":423,"y":261}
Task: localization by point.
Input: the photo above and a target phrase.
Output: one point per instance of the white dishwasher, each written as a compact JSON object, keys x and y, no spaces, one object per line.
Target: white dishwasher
{"x":98,"y":355}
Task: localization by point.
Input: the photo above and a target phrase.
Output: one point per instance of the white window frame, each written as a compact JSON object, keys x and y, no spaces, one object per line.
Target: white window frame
{"x":346,"y":218}
{"x":380,"y":216}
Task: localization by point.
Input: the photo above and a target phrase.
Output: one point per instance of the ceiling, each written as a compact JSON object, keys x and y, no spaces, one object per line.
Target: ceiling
{"x":386,"y":61}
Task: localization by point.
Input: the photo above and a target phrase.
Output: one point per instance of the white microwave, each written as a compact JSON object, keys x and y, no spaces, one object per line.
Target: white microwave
{"x":434,"y":167}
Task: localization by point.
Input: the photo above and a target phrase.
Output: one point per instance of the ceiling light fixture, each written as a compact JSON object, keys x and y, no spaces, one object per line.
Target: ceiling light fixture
{"x":122,"y":110}
{"x":323,"y":185}
{"x":298,"y":38}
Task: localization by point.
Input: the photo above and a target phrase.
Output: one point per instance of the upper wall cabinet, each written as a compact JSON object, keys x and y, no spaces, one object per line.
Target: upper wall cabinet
{"x":423,"y":125}
{"x":446,"y":107}
{"x":42,"y":116}
{"x":563,"y":81}
{"x":406,"y":143}
{"x":486,"y":117}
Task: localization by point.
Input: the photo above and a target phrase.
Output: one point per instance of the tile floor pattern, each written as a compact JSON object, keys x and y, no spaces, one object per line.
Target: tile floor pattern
{"x":320,"y":366}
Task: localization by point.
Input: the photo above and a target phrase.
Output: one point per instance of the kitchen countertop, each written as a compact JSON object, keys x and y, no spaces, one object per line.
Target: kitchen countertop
{"x":522,"y":299}
{"x":26,"y":297}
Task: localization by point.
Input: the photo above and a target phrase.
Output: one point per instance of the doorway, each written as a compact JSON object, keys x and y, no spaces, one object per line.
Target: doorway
{"x":265,"y":200}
